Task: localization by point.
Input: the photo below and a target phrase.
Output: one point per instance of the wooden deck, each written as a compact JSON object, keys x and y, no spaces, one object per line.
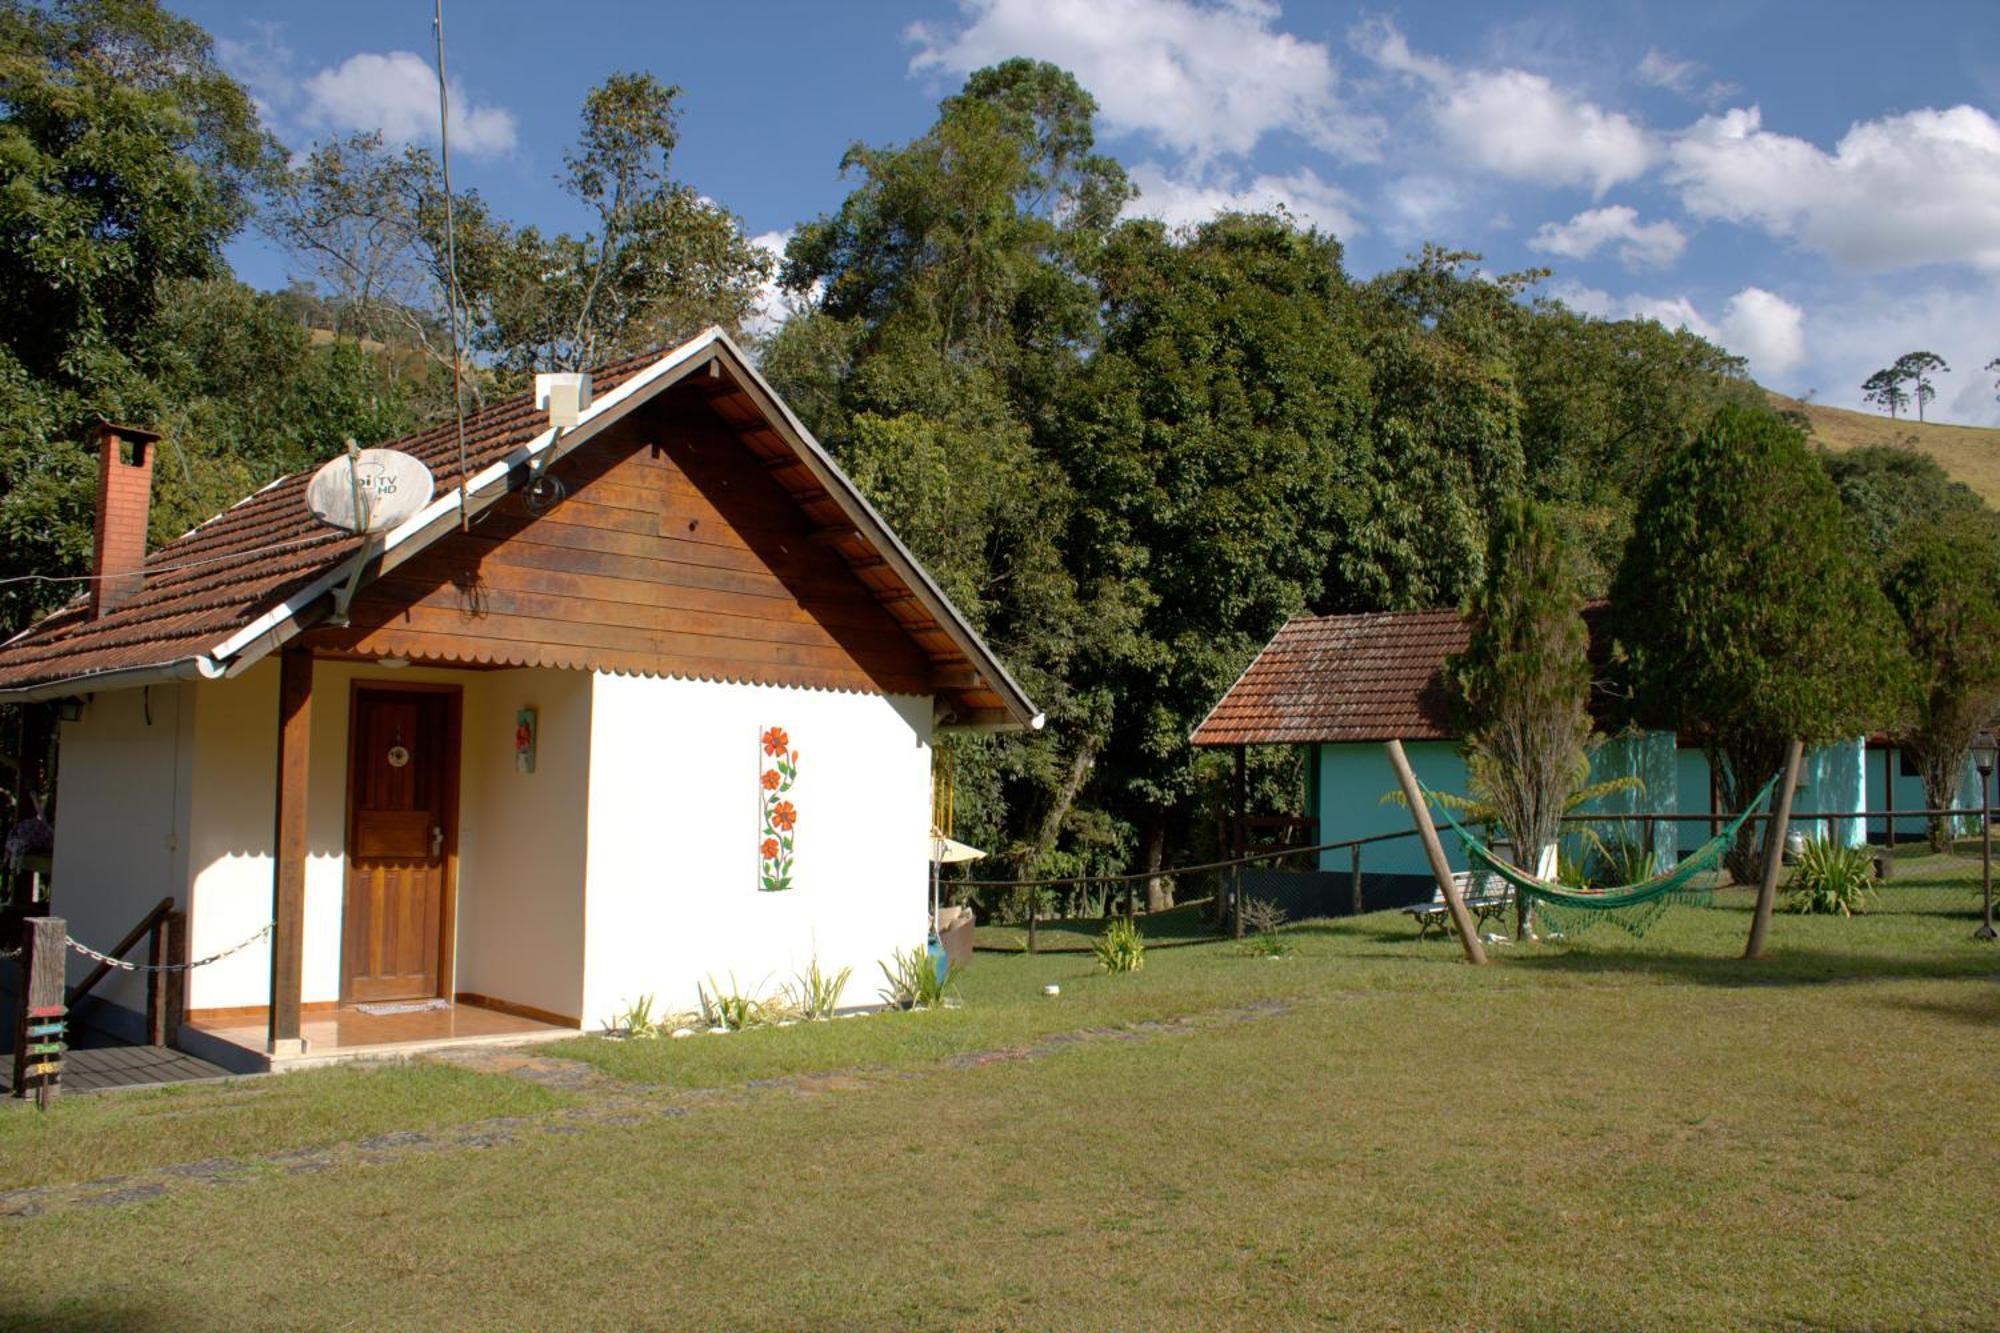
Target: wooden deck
{"x":106,"y":1068}
{"x":347,"y":1033}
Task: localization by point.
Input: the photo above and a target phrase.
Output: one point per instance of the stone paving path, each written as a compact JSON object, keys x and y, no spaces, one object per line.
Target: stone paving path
{"x":601,"y":1100}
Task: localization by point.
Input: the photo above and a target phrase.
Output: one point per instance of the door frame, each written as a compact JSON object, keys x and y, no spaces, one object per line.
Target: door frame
{"x":448,"y":889}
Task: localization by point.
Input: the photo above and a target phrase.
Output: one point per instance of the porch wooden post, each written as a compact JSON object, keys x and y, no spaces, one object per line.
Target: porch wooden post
{"x":288,"y":874}
{"x":1774,"y":852}
{"x":1237,"y":840}
{"x":1461,"y":920}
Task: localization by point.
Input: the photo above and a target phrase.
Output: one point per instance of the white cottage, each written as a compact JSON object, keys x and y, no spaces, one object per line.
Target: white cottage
{"x":648,"y":699}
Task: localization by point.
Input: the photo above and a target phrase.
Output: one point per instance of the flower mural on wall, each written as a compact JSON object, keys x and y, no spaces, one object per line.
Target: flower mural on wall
{"x":780,"y":764}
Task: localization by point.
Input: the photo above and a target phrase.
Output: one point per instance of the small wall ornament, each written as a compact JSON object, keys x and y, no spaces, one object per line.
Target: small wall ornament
{"x":779,"y":763}
{"x":525,"y":725}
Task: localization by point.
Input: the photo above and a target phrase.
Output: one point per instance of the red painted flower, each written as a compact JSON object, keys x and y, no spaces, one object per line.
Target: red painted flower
{"x":770,"y":849}
{"x":771,"y":779}
{"x":776,"y":741}
{"x":783,"y":815}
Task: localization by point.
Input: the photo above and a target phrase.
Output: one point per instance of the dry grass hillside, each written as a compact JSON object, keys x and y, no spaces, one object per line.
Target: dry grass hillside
{"x":1971,"y":454}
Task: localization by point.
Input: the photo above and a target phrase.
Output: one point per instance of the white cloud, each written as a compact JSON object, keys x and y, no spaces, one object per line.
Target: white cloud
{"x":1424,"y":206}
{"x":1179,"y":200}
{"x":1917,"y":188}
{"x":396,"y":92}
{"x":1202,"y":79}
{"x":1760,"y":326}
{"x":1514,"y":123}
{"x":1766,"y":329}
{"x":1863,"y":329}
{"x":1660,"y":70}
{"x":1640,"y":245}
{"x":773,"y":306}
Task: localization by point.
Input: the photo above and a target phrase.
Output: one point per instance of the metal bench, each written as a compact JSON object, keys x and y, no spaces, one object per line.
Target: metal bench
{"x":1485,"y":894}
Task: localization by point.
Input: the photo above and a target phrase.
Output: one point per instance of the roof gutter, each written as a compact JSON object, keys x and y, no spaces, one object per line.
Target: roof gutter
{"x":201,"y":666}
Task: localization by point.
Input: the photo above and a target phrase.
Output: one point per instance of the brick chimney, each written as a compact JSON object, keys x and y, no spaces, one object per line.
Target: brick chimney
{"x":124,"y":489}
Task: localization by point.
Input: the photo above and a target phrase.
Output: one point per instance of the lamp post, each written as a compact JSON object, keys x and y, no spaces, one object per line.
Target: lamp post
{"x":1982,"y":756}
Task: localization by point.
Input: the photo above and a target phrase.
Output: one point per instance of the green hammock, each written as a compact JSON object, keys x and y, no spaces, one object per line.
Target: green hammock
{"x":1635,"y":907}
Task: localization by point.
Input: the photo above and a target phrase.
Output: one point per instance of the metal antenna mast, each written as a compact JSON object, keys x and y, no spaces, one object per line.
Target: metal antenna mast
{"x":451,"y":296}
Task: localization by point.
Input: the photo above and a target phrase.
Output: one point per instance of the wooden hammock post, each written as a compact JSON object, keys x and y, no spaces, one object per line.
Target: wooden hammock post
{"x":1774,"y":851}
{"x":1420,"y":812}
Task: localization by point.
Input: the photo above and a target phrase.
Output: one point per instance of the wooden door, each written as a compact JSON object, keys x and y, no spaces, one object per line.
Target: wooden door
{"x":402,"y":815}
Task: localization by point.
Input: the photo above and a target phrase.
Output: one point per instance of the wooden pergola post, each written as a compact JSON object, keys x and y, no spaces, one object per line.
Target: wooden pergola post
{"x":1774,"y":852}
{"x":288,"y":874}
{"x":1461,"y":920}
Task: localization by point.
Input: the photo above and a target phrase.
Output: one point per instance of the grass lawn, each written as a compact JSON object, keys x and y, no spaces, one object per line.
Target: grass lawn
{"x":1604,"y":1133}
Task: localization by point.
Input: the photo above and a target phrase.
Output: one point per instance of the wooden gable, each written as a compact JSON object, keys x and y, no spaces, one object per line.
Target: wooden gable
{"x":674,"y":552}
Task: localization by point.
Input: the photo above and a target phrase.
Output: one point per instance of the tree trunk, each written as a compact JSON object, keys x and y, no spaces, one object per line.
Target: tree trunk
{"x":1745,"y":764}
{"x":1940,"y":777}
{"x":1058,"y":811}
{"x":1159,"y":890}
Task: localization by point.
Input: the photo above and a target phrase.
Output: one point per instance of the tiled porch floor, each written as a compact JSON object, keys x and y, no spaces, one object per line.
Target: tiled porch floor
{"x":346,"y":1032}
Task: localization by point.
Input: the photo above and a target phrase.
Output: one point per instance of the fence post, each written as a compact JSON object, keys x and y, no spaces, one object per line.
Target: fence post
{"x":156,"y":985}
{"x":1354,"y":873}
{"x":1032,"y":896}
{"x":38,"y":1040}
{"x":176,"y":996}
{"x":1236,"y":902}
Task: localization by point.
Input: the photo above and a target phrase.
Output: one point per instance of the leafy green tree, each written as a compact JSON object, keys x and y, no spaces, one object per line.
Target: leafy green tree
{"x":129,"y":158}
{"x":1443,"y":445}
{"x":1885,"y":388}
{"x":1944,"y":581}
{"x":1204,"y":454}
{"x":1890,"y":490}
{"x":1917,"y":369}
{"x":1522,"y":685}
{"x":951,"y":305}
{"x":1744,"y":609}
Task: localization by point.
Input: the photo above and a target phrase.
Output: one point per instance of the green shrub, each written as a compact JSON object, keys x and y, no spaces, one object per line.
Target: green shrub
{"x":1263,"y":918}
{"x":814,"y":994}
{"x":1831,"y":878}
{"x":913,"y":980}
{"x":731,"y":1008}
{"x":636,"y":1020}
{"x":1119,"y":948}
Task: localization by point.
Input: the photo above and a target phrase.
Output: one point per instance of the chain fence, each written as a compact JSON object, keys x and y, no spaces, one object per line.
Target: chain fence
{"x":123,"y":965}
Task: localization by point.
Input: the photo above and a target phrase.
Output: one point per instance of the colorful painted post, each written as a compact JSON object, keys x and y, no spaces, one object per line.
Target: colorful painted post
{"x":39,"y":1035}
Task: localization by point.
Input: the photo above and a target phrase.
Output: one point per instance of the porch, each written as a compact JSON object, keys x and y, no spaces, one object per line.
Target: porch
{"x":238,"y":1039}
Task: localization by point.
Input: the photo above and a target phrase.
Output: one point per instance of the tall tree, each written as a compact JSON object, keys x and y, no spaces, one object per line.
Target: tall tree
{"x":1205,"y":449}
{"x":1744,"y":609}
{"x":1890,"y":491}
{"x":952,"y":304}
{"x":1885,"y":389}
{"x":1522,"y":684}
{"x":1917,"y":369}
{"x":1944,"y":581}
{"x":131,"y":157}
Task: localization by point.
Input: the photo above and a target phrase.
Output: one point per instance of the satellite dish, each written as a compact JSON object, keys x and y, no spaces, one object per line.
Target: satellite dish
{"x":369,"y":490}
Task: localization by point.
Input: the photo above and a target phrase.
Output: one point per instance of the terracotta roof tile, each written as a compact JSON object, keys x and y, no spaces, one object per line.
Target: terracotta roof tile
{"x":1375,"y":676}
{"x":1363,"y":677}
{"x":208,"y":583}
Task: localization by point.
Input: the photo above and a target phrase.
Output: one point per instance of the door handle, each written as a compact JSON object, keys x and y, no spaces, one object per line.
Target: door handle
{"x":437,"y":840}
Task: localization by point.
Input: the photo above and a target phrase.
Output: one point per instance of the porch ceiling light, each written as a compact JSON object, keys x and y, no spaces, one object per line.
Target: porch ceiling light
{"x":393,"y":663}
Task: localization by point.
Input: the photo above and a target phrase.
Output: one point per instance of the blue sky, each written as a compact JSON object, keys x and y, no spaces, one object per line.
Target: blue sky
{"x":1814,"y":185}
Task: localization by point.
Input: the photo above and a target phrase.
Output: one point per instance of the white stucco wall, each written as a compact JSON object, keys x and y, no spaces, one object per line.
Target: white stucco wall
{"x":672,"y":892}
{"x":121,"y":820}
{"x":521,"y":846}
{"x":520,"y":836}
